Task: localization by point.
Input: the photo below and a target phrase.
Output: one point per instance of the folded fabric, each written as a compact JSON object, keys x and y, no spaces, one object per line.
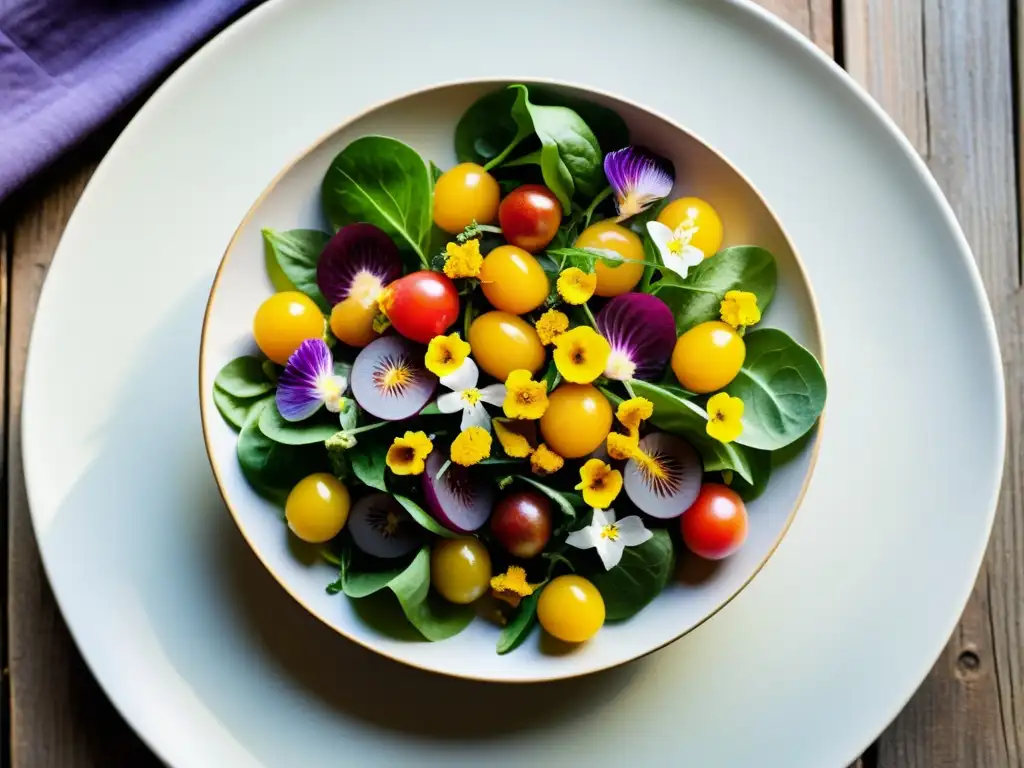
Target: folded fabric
{"x":66,"y":66}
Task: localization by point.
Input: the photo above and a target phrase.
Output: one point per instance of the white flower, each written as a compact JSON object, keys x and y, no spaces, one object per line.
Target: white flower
{"x":610,"y":537}
{"x":674,"y":246}
{"x":467,"y":398}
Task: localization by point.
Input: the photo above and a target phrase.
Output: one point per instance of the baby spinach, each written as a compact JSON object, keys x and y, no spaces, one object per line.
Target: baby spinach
{"x":381,"y":181}
{"x":423,"y":518}
{"x":436,"y":619}
{"x":518,"y":628}
{"x":271,"y":468}
{"x":761,"y":469}
{"x":368,"y":462}
{"x":236,"y":410}
{"x":297,"y":252}
{"x":642,"y":573}
{"x":315,"y":429}
{"x":487,"y":132}
{"x":697,"y":299}
{"x":587,"y":258}
{"x":610,"y":129}
{"x":782,"y":387}
{"x":243,"y":378}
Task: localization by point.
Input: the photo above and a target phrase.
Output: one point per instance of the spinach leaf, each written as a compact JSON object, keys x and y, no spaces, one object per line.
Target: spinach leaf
{"x":488,"y":131}
{"x":384,"y":182}
{"x":273,"y":469}
{"x":243,"y":378}
{"x":236,"y":410}
{"x":513,"y":634}
{"x":642,"y":573}
{"x":436,"y":619}
{"x":435,"y":173}
{"x":610,"y":129}
{"x":782,"y":387}
{"x":697,"y":299}
{"x":551,"y":376}
{"x":360,"y":584}
{"x":560,"y":499}
{"x":297,"y":252}
{"x":760,"y":467}
{"x":587,"y":258}
{"x":423,"y":518}
{"x":368,"y":463}
{"x":315,"y":429}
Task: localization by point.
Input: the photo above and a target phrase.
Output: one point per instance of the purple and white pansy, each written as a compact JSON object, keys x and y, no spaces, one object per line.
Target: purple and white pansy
{"x":309,"y":381}
{"x":638,"y":179}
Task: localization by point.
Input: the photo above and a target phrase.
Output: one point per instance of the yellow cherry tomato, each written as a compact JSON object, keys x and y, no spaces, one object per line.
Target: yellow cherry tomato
{"x":352,"y":321}
{"x":283,"y":322}
{"x":571,"y":609}
{"x":577,"y":420}
{"x":503,"y":343}
{"x":460,"y":569}
{"x":708,"y":356}
{"x":464,"y":194}
{"x":513,"y":280}
{"x":708,"y":236}
{"x":317,"y":508}
{"x":611,"y":281}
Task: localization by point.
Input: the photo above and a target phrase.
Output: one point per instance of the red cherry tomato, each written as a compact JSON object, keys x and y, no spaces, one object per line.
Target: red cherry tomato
{"x":529,"y":217}
{"x":715,"y":525}
{"x":422,"y":305}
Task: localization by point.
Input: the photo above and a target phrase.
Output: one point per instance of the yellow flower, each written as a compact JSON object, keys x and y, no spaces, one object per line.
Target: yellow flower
{"x":739,"y":308}
{"x":511,"y":586}
{"x":524,"y":397}
{"x":463,"y":260}
{"x":544,"y":461}
{"x":407,"y":454}
{"x":623,"y":447}
{"x":631,"y":412}
{"x":472,"y":446}
{"x":446,"y":354}
{"x":515,"y":436}
{"x":551,"y":325}
{"x":581,"y":354}
{"x":600,"y":483}
{"x":724,"y":417}
{"x":576,"y":286}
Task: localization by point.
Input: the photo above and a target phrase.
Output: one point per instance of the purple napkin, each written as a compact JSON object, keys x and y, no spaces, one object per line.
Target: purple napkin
{"x":68,"y":65}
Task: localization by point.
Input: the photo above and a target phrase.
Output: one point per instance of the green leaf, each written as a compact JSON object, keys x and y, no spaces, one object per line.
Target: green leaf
{"x":760,"y":467}
{"x":421,"y":516}
{"x":642,"y":573}
{"x":243,"y":378}
{"x":697,"y":299}
{"x":488,"y":130}
{"x":348,"y":416}
{"x":271,"y":468}
{"x":368,"y":463}
{"x":435,"y":173}
{"x":609,"y":128}
{"x":518,"y":628}
{"x":384,"y":182}
{"x":315,"y":429}
{"x":236,"y":410}
{"x":358,"y":585}
{"x":297,"y":252}
{"x":436,"y":619}
{"x":551,"y":376}
{"x":560,"y":499}
{"x":587,"y":258}
{"x":782,"y":387}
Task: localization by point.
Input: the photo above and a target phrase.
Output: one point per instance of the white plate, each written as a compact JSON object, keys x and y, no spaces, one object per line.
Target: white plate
{"x":214,"y":665}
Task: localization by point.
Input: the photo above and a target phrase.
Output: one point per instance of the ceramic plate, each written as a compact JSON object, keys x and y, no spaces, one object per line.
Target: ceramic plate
{"x":215,"y":665}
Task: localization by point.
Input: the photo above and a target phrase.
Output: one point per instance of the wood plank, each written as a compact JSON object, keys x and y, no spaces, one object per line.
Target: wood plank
{"x":59,"y":716}
{"x":942,"y":68}
{"x":811,"y":17}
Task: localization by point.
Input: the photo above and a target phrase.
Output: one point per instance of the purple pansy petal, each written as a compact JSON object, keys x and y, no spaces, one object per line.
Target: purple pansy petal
{"x":298,"y":392}
{"x":638,"y":179}
{"x":642,"y":333}
{"x":360,"y":258}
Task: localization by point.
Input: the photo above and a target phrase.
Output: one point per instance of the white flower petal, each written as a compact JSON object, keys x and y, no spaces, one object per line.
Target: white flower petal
{"x":450,"y":402}
{"x":661,"y":235}
{"x":603,"y":517}
{"x":610,"y":552}
{"x":692,"y":256}
{"x":475,"y":416}
{"x":493,"y":394}
{"x":586,"y":538}
{"x":464,"y":377}
{"x":632,"y":531}
{"x":675,"y":264}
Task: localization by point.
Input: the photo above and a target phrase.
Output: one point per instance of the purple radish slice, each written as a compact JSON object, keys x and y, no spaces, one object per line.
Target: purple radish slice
{"x":665,"y":483}
{"x":462,"y":499}
{"x":358,"y":261}
{"x":389,"y":380}
{"x":642,"y":333}
{"x":381,"y":527}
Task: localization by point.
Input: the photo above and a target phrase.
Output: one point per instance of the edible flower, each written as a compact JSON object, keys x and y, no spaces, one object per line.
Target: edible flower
{"x":463,"y":260}
{"x":638,"y":179}
{"x":581,"y":354}
{"x":641,"y":330}
{"x":576,"y":286}
{"x":517,"y":436}
{"x":610,"y":537}
{"x":724,"y":417}
{"x":407,"y":454}
{"x":631,"y":412}
{"x":622,"y":447}
{"x":674,"y":246}
{"x":511,"y":586}
{"x":445,"y":354}
{"x":600,"y":483}
{"x":309,"y":381}
{"x":524,"y":397}
{"x":739,"y":309}
{"x":472,"y":446}
{"x":466,"y":397}
{"x":544,"y":461}
{"x":551,"y":325}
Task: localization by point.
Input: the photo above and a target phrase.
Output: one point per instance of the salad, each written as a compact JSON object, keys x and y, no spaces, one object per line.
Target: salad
{"x":520,"y":387}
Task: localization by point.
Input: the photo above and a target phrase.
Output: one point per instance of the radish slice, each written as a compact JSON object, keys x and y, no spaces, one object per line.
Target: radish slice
{"x":381,"y":527}
{"x":667,"y":482}
{"x":462,"y":499}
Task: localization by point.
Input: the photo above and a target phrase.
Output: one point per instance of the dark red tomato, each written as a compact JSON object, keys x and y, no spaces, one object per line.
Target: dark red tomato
{"x":422,"y":305}
{"x":715,"y":525}
{"x":529,"y":217}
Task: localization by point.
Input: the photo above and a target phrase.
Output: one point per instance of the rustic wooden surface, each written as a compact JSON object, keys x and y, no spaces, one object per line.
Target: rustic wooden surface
{"x":945,"y":71}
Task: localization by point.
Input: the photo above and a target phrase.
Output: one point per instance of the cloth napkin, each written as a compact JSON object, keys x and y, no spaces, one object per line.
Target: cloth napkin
{"x":66,"y":66}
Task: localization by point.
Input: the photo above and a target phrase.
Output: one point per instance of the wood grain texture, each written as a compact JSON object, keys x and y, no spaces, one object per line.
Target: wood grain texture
{"x":942,"y":69}
{"x":811,"y":17}
{"x":59,"y":716}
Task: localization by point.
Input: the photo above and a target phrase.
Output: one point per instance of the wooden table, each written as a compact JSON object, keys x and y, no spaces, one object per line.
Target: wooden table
{"x":946,"y":72}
